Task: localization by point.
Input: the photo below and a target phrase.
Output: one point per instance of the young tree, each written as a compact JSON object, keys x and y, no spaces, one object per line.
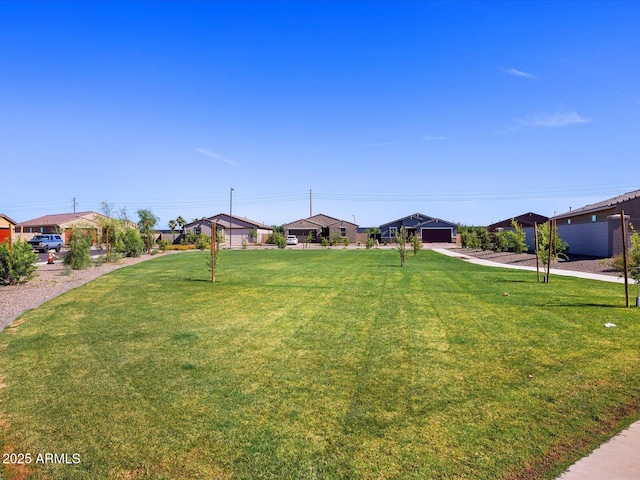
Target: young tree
{"x":110,"y":231}
{"x":401,"y":238}
{"x":78,"y":256}
{"x":416,"y":244}
{"x":147,"y":222}
{"x":634,"y":260}
{"x":515,"y":239}
{"x":550,"y":246}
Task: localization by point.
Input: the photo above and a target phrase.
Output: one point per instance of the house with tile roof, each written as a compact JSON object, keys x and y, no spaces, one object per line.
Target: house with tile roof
{"x":61,"y":223}
{"x":596,"y":229}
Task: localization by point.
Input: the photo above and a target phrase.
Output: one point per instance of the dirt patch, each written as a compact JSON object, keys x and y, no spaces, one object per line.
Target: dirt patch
{"x":576,"y":263}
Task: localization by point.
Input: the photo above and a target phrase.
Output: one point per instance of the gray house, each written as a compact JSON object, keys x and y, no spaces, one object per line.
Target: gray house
{"x":321,"y":226}
{"x":596,"y":229}
{"x":429,"y":229}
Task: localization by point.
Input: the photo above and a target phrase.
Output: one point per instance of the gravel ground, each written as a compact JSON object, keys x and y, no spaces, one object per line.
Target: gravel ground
{"x":576,"y":263}
{"x":51,"y":281}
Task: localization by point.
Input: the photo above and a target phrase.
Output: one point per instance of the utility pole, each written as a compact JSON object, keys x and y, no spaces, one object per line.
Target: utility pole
{"x":74,"y":204}
{"x":310,"y":204}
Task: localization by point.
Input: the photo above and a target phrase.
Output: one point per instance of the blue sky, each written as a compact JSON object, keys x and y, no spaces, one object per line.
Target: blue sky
{"x":472,"y":112}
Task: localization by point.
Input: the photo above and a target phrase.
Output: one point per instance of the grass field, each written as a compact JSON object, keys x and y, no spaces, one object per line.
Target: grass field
{"x":329,"y":364}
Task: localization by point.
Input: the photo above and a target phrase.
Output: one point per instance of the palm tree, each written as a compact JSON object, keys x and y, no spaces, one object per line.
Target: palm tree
{"x":182,"y":222}
{"x":172,"y":225}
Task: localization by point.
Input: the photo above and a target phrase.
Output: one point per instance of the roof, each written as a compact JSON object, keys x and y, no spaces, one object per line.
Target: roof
{"x":319,"y":220}
{"x":526,"y":220}
{"x":8,"y":219}
{"x":603,"y":205}
{"x":423,"y":220}
{"x":222,"y":219}
{"x":302,"y":224}
{"x":57,"y":219}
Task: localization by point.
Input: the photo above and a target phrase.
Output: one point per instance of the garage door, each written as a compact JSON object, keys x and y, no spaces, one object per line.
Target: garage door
{"x":4,"y":235}
{"x":431,"y":235}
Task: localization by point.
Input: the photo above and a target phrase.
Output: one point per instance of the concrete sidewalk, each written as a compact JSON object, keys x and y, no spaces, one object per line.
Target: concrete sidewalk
{"x":617,"y":459}
{"x":553,"y":271}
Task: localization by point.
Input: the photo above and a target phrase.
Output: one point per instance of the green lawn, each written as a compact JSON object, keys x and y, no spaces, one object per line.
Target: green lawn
{"x":328,"y":364}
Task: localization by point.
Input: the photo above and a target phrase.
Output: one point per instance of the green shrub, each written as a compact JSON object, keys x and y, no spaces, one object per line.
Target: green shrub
{"x":18,"y":264}
{"x":202,"y":242}
{"x":78,"y":257}
{"x":132,"y":243}
{"x":370,"y":243}
{"x":278,"y":239}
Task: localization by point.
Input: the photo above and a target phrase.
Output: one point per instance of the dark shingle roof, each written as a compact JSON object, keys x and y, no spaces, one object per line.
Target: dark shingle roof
{"x":603,"y":205}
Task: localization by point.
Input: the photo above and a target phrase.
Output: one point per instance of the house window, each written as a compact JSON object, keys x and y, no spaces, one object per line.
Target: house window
{"x":569,"y":222}
{"x":343,"y":232}
{"x":198,"y":230}
{"x":392,"y":231}
{"x":593,"y":218}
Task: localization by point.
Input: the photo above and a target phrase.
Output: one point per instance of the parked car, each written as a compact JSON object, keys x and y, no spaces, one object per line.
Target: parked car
{"x":292,"y":240}
{"x":46,"y":242}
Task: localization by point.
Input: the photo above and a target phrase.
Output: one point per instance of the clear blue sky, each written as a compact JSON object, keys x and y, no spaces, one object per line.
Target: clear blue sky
{"x":472,"y":112}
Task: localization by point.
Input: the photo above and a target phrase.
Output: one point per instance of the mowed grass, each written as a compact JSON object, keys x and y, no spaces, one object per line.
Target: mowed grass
{"x":329,"y":364}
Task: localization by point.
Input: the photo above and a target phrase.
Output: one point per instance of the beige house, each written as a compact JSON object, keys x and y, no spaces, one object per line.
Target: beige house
{"x":7,"y":228}
{"x":596,"y":229}
{"x":60,"y":223}
{"x":235,"y":229}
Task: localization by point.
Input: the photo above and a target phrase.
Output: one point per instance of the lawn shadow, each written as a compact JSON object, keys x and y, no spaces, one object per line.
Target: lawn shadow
{"x":586,"y":304}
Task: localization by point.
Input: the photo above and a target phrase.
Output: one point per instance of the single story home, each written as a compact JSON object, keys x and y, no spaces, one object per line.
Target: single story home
{"x":429,"y":229}
{"x":596,"y":229}
{"x":527,"y":221}
{"x":235,"y":229}
{"x":61,"y":223}
{"x":321,"y":226}
{"x":7,"y":229}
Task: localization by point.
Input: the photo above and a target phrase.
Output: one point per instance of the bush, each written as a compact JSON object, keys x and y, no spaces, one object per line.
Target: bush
{"x":132,"y":243}
{"x":370,"y":242}
{"x":17,"y":265}
{"x":278,"y":239}
{"x":78,"y":257}
{"x":202,"y":242}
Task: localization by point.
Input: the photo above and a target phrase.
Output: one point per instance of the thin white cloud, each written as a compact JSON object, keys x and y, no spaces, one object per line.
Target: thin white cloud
{"x":434,"y":138}
{"x":216,"y":156}
{"x":555,"y":120}
{"x":519,"y":73}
